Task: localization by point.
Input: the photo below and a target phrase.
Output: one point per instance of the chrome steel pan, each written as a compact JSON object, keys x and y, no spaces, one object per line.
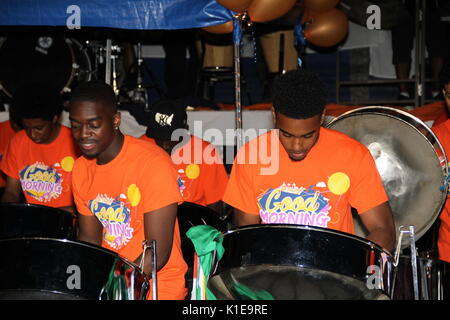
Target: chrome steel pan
{"x":406,"y":153}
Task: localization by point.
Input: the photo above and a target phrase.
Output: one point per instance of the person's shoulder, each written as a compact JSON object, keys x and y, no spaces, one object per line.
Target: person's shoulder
{"x":194,"y":140}
{"x":82,"y":161}
{"x":139,"y":148}
{"x":65,"y":134}
{"x":250,"y":153}
{"x":339,"y":143}
{"x":442,"y":128}
{"x":148,"y":139}
{"x":256,"y":140}
{"x":80,"y":167}
{"x":4,"y":125}
{"x":65,"y":130}
{"x":20,"y":137}
{"x":333,"y":137}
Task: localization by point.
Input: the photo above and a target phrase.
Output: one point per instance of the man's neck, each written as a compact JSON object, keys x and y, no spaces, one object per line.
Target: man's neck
{"x":113,"y":150}
{"x":55,"y":133}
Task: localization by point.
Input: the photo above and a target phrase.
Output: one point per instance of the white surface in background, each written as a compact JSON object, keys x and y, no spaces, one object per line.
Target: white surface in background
{"x":200,"y":122}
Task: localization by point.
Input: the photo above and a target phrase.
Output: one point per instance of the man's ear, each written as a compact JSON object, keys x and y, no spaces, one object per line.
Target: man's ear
{"x":274,"y":116}
{"x":117,"y":119}
{"x":322,"y":118}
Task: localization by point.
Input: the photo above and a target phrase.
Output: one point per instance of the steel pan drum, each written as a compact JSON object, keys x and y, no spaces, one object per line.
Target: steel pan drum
{"x":285,"y":262}
{"x":28,"y":220}
{"x":51,"y":269}
{"x":406,"y":153}
{"x":433,"y":279}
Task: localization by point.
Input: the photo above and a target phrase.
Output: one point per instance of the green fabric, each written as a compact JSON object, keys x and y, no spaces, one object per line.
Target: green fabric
{"x":116,"y":283}
{"x":252,"y":295}
{"x":206,"y":240}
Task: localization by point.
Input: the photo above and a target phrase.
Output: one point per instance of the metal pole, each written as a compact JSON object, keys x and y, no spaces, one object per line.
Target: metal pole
{"x":338,"y":75}
{"x":422,"y":52}
{"x":108,"y":61}
{"x":237,"y":82}
{"x":154,"y":278}
{"x":237,"y":85}
{"x":419,"y":96}
{"x":414,"y":262}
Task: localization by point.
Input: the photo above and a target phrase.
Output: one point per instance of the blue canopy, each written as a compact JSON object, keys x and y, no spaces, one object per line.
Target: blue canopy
{"x":123,"y":14}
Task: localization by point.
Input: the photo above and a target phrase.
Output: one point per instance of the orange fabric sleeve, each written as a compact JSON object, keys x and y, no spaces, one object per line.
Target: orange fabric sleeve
{"x":9,"y":160}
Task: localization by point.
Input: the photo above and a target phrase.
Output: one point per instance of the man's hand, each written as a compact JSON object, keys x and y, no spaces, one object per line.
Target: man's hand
{"x":13,"y":190}
{"x":217,"y":207}
{"x":70,"y":209}
{"x":90,"y":229}
{"x":159,"y":225}
{"x":243,"y":219}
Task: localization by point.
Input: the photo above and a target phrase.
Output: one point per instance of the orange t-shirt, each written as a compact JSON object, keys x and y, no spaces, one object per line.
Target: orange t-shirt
{"x":441,"y":119}
{"x":44,"y":170}
{"x":442,"y":132}
{"x":337,"y":174}
{"x":6,"y":133}
{"x":138,"y":180}
{"x":202,"y":178}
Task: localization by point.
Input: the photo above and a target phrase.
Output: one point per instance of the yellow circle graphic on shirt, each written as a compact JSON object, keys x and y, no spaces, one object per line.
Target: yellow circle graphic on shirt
{"x":134,"y":195}
{"x":67,"y":163}
{"x":338,"y":183}
{"x":192,"y":171}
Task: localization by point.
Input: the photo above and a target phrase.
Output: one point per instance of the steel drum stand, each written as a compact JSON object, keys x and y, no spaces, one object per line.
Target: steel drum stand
{"x":108,"y":61}
{"x":414,"y":255}
{"x":152,"y":247}
{"x":140,"y":94}
{"x":111,"y":56}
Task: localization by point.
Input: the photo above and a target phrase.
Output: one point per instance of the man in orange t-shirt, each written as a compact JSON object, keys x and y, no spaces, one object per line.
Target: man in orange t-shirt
{"x":444,"y":79}
{"x":39,"y":159}
{"x":125,"y":189}
{"x":442,"y":131}
{"x":201,"y":174}
{"x":305,"y":174}
{"x":7,"y":130}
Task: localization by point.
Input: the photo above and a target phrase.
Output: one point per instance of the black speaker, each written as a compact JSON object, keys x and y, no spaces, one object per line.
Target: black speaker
{"x":392,"y":12}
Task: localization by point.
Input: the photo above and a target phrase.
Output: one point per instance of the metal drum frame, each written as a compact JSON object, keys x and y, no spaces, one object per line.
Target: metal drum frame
{"x":433,"y":279}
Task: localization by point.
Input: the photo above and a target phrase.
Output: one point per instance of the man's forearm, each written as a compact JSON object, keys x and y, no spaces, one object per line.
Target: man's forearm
{"x":85,"y":238}
{"x":9,"y":197}
{"x":70,"y":209}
